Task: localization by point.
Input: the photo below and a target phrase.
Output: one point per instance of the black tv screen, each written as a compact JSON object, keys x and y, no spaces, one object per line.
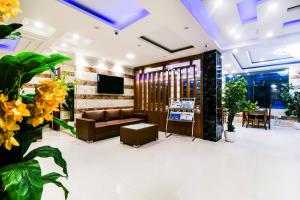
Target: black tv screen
{"x":110,"y":84}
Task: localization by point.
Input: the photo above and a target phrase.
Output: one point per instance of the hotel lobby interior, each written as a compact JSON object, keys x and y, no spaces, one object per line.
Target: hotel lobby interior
{"x":150,"y":100}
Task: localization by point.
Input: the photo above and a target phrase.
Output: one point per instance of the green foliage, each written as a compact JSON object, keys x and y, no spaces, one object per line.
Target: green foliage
{"x":292,"y":100}
{"x":52,"y":178}
{"x":20,"y":69}
{"x":65,"y":125}
{"x":234,"y":99}
{"x":47,"y":151}
{"x":23,"y":180}
{"x":8,"y":31}
{"x":69,"y":102}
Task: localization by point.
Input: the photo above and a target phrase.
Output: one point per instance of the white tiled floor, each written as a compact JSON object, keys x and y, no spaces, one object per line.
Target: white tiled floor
{"x":261,"y":165}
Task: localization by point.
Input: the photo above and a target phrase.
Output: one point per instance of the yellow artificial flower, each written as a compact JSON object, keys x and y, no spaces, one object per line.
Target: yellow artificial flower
{"x":9,"y":9}
{"x":8,"y":140}
{"x":16,"y":109}
{"x":8,"y":124}
{"x":49,"y":95}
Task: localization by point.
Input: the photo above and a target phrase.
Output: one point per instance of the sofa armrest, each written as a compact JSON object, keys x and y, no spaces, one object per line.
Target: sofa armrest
{"x":142,"y":116}
{"x":85,"y":129}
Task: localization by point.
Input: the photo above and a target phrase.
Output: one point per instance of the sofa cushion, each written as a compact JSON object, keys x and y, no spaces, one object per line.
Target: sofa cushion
{"x":113,"y":115}
{"x":122,"y":122}
{"x":97,"y":115}
{"x":127,"y":113}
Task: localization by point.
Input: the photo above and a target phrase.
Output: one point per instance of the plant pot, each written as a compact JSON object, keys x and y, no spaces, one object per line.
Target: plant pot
{"x":230,"y":136}
{"x":297,"y":125}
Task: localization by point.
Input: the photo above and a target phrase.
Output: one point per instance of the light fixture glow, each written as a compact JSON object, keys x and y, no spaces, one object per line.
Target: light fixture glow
{"x":63,"y":44}
{"x":38,"y":24}
{"x":218,"y":3}
{"x":130,"y":56}
{"x":233,"y":71}
{"x":272,"y":7}
{"x":228,"y":65}
{"x":269,"y":34}
{"x":274,"y":86}
{"x":262,"y":60}
{"x":76,"y":37}
{"x":237,"y":36}
{"x":232,"y":31}
{"x":235,"y":51}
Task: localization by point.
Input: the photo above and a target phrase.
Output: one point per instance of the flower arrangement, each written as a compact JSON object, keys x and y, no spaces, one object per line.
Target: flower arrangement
{"x":23,"y":117}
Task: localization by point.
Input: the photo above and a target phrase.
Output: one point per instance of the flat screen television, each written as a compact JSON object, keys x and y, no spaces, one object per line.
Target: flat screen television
{"x":110,"y":84}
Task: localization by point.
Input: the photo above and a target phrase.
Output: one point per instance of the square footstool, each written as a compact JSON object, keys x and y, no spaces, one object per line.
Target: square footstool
{"x":138,"y":134}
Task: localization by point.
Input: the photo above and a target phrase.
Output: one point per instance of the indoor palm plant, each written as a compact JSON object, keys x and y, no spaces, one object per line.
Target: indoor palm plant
{"x":291,"y":98}
{"x":23,"y":116}
{"x":234,"y":101}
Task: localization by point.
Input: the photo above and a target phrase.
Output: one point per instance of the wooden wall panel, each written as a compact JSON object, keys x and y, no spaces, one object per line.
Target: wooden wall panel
{"x":164,"y":96}
{"x":145,"y":92}
{"x":159,"y":91}
{"x":188,"y":85}
{"x":149,"y":92}
{"x":181,"y":83}
{"x":154,"y":91}
{"x":195,"y":82}
{"x":141,"y":82}
{"x":175,"y":83}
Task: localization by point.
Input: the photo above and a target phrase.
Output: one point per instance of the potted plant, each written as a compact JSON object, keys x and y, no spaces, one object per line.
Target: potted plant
{"x":68,"y":105}
{"x":291,"y":98}
{"x":234,"y":101}
{"x":23,"y":117}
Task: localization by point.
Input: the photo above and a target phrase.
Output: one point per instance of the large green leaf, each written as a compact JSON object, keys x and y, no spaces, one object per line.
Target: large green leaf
{"x":20,"y":69}
{"x":23,"y":181}
{"x":65,"y":125}
{"x":7,"y":31}
{"x":52,"y":178}
{"x":46,"y":152}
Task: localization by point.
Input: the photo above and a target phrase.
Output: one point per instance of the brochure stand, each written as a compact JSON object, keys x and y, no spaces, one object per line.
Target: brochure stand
{"x":181,"y":110}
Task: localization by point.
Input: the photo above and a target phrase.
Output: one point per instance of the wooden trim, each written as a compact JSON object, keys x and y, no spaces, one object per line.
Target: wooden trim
{"x":145,"y":92}
{"x":141,"y":82}
{"x":188,"y":84}
{"x":175,"y":83}
{"x":164,"y":91}
{"x":106,"y":72}
{"x":181,"y":83}
{"x":154,"y":92}
{"x":149,"y":92}
{"x":169,"y":85}
{"x":170,"y":62}
{"x":80,"y":110}
{"x":136,"y":91}
{"x":159,"y":91}
{"x":100,"y":96}
{"x":94,"y":83}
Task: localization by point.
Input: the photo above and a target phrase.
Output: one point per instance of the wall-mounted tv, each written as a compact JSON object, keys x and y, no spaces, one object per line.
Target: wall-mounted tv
{"x":110,"y":84}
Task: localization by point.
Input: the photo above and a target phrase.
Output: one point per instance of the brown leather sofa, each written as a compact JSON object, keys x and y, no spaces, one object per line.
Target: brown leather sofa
{"x":102,"y":124}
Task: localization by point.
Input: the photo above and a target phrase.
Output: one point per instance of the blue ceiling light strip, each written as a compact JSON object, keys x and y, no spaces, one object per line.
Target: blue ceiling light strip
{"x":9,"y":45}
{"x":131,"y":14}
{"x":198,"y":10}
{"x":290,"y":23}
{"x":247,"y":11}
{"x":263,"y":66}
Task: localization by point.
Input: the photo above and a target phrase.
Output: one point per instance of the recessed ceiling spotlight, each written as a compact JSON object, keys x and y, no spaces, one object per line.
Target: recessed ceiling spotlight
{"x":272,"y":7}
{"x":218,"y":3}
{"x":262,"y":60}
{"x":96,"y":27}
{"x":76,"y":37}
{"x":139,"y":45}
{"x":130,"y":56}
{"x":225,"y":72}
{"x":222,"y":57}
{"x":269,"y":34}
{"x":232,"y":31}
{"x":233,"y":71}
{"x":228,"y":65}
{"x":63,"y":44}
{"x":235,"y":51}
{"x":38,"y":24}
{"x":237,"y":36}
{"x":186,"y":28}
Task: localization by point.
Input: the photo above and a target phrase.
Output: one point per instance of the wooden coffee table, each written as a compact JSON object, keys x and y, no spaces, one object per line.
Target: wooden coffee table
{"x":138,"y":134}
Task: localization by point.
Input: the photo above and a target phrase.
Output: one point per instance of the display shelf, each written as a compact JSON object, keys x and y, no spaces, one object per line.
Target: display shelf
{"x":181,"y":110}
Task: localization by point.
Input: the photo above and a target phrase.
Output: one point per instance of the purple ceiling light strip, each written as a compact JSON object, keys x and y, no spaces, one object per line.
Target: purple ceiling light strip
{"x":198,"y":10}
{"x":247,"y":11}
{"x":132,"y":13}
{"x":290,"y":23}
{"x":9,"y":45}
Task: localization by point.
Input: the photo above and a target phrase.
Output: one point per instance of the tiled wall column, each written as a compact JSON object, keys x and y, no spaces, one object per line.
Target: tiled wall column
{"x":212,"y":96}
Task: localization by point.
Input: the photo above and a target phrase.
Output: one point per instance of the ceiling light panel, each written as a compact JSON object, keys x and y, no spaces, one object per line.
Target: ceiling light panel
{"x":247,"y":11}
{"x":37,"y":28}
{"x":116,"y":13}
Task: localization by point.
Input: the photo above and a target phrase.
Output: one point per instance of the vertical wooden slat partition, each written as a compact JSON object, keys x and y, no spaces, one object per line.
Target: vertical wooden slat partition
{"x":154,"y":91}
{"x":188,"y":85}
{"x":175,"y":83}
{"x":159,"y":91}
{"x":154,"y":88}
{"x":164,"y":90}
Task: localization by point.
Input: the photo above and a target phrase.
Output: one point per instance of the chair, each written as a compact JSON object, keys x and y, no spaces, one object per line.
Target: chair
{"x":244,"y":118}
{"x":266,"y":118}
